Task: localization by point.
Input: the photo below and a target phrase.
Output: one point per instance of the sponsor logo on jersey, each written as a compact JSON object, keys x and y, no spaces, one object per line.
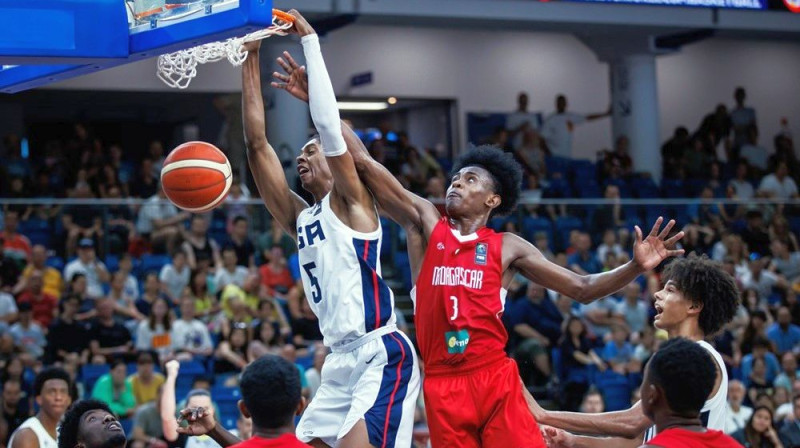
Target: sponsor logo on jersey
{"x":457,"y":276}
{"x":481,"y":252}
{"x":456,"y":341}
{"x":440,"y":246}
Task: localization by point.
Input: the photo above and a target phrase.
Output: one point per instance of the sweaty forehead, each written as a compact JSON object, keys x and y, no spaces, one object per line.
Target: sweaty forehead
{"x":479,"y":171}
{"x":99,"y":413}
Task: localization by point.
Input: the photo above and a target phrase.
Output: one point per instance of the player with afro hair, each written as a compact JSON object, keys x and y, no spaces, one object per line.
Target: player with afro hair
{"x":697,"y":300}
{"x":505,"y":172}
{"x":90,"y":424}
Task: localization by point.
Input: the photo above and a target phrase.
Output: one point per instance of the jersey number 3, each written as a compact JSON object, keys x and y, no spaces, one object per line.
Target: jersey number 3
{"x":455,"y":307}
{"x":316,"y":293}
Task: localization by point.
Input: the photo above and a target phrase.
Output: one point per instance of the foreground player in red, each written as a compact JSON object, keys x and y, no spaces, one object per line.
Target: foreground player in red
{"x":461,"y":270}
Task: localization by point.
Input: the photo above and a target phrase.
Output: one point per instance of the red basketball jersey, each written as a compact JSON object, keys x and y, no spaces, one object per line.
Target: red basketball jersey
{"x":459,"y":299}
{"x":681,"y":438}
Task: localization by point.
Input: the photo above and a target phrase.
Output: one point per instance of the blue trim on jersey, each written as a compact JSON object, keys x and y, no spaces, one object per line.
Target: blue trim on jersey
{"x":376,"y":312}
{"x":383,"y":418}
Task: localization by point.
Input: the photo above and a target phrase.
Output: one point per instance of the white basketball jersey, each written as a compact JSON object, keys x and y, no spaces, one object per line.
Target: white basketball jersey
{"x":341,"y":273}
{"x":33,"y":423}
{"x":715,"y":410}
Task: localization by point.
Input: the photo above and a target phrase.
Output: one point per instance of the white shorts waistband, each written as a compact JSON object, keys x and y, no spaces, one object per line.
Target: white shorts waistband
{"x":352,"y":344}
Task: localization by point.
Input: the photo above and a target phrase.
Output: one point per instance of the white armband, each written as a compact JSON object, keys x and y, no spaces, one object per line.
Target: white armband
{"x":322,"y":100}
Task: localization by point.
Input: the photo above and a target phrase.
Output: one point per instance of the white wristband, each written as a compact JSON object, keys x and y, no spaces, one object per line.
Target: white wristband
{"x":322,"y":99}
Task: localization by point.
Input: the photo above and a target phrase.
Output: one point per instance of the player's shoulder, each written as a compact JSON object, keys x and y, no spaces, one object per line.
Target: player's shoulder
{"x":24,"y":438}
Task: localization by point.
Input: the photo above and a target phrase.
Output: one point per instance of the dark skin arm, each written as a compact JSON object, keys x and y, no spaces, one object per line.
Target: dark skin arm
{"x":521,"y":256}
{"x":199,"y":421}
{"x":283,"y":204}
{"x":25,"y":438}
{"x":557,"y":438}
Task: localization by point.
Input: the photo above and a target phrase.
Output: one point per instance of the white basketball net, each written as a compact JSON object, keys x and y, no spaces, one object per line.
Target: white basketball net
{"x":179,"y":68}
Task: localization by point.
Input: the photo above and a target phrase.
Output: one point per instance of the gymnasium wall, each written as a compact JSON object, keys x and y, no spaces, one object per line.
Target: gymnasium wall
{"x":485,"y":70}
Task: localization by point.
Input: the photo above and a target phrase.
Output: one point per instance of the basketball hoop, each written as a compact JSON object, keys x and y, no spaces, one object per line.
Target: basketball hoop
{"x":179,"y":68}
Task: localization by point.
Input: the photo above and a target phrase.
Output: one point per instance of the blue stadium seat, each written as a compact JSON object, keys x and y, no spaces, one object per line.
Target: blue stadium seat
{"x":127,"y":426}
{"x":37,"y":230}
{"x":794,"y":224}
{"x":153,"y":263}
{"x":497,"y":224}
{"x":583,"y":169}
{"x":564,"y":226}
{"x":531,"y":226}
{"x":56,"y":263}
{"x":559,"y":187}
{"x":229,"y":423}
{"x":557,"y":164}
{"x":112,"y":263}
{"x":673,"y":188}
{"x":616,"y":390}
{"x":90,"y":373}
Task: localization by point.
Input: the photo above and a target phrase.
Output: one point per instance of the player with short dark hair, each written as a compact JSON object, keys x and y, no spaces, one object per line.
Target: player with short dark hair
{"x":52,"y":392}
{"x":674,"y":403}
{"x":697,"y":300}
{"x":461,"y":270}
{"x":90,"y":424}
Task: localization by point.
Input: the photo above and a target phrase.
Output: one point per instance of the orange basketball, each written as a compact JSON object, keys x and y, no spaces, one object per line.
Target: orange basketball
{"x":196,"y":176}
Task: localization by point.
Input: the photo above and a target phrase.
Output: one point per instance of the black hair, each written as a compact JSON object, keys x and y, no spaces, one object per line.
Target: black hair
{"x":51,"y":373}
{"x":506,"y":174}
{"x":677,"y":360}
{"x":117,"y":361}
{"x":271,"y":391}
{"x":704,"y":282}
{"x":68,"y":431}
{"x":238,"y":219}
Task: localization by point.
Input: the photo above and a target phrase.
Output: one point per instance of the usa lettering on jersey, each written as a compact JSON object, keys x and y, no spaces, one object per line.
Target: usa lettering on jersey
{"x":457,"y":276}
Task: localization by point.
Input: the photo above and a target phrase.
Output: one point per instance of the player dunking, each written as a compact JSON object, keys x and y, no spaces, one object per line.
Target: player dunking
{"x":461,"y":268}
{"x":370,"y":381}
{"x":697,"y":300}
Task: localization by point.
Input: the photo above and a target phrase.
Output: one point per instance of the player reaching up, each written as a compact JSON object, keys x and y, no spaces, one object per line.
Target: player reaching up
{"x":371,"y":380}
{"x":461,"y":270}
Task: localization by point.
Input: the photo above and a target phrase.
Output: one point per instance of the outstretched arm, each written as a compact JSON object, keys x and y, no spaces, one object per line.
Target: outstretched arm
{"x":325,"y":115}
{"x":557,"y":438}
{"x":522,"y":256}
{"x":282,"y":203}
{"x":402,"y":206}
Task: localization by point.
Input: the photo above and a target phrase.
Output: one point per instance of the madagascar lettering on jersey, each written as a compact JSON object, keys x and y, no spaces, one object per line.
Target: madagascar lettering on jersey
{"x":457,"y":276}
{"x":310,"y":233}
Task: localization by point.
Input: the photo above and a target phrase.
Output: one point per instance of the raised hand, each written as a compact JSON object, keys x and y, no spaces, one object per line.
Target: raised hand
{"x":295,"y":81}
{"x":198,"y":421}
{"x":172,"y":367}
{"x":301,"y":26}
{"x":654,"y":249}
{"x":252,"y":47}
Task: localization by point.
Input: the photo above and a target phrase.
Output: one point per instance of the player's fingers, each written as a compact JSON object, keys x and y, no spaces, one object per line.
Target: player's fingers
{"x":284,"y":65}
{"x":666,"y":229}
{"x":671,"y":242}
{"x":291,"y":60}
{"x":675,"y":253}
{"x":638,"y":232}
{"x":280,"y":76}
{"x":656,"y":226}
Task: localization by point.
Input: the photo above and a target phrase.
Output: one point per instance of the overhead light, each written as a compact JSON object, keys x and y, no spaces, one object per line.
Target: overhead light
{"x":391,"y":100}
{"x":362,"y":105}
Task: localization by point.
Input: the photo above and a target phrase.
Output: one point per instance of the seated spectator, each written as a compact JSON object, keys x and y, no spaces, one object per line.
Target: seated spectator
{"x":44,"y":306}
{"x":151,"y":293}
{"x":15,"y":409}
{"x":53,"y":283}
{"x":145,"y":382}
{"x":779,"y":230}
{"x":276,"y":236}
{"x":15,"y":246}
{"x":610,"y":216}
{"x":275,"y":275}
{"x":108,"y":338}
{"x":28,"y":335}
{"x":229,"y":273}
{"x":82,"y":221}
{"x":126,"y":268}
{"x":266,"y":340}
{"x":231,"y":353}
{"x":196,"y":398}
{"x":115,"y":389}
{"x":235,"y":203}
{"x":760,"y":279}
{"x":633,"y":308}
{"x":154,"y":332}
{"x":270,"y":311}
{"x":146,"y":183}
{"x":174,"y":277}
{"x":756,"y":155}
{"x":759,"y":431}
{"x":239,"y":305}
{"x":124,"y":305}
{"x":8,"y":308}
{"x":756,"y":329}
{"x":314,"y":373}
{"x":205,"y":304}
{"x":202,"y":252}
{"x":601,"y":315}
{"x":784,"y":262}
{"x":648,"y":344}
{"x":67,"y":337}
{"x":119,"y":221}
{"x":761,"y":350}
{"x":593,"y":402}
{"x":789,"y":372}
{"x":88,"y":265}
{"x":190,"y":337}
{"x":241,"y":244}
{"x":608,"y":246}
{"x":305,"y":328}
{"x":790,"y":432}
{"x":783,"y":333}
{"x":583,"y":261}
{"x":738,"y":413}
{"x":779,"y":184}
{"x":618,"y":352}
{"x":697,"y":159}
{"x":147,"y":430}
{"x":536,"y":318}
{"x":576,"y":357}
{"x":160,"y":222}
{"x":741,"y":183}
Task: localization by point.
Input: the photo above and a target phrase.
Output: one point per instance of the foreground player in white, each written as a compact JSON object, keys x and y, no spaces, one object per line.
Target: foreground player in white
{"x":370,"y":381}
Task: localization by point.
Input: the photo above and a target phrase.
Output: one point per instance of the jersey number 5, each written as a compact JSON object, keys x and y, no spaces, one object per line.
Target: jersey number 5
{"x":316,"y":293}
{"x":455,"y":307}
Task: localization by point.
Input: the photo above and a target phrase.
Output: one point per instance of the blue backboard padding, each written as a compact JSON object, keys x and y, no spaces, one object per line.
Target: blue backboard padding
{"x":249,"y":16}
{"x":93,"y":29}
